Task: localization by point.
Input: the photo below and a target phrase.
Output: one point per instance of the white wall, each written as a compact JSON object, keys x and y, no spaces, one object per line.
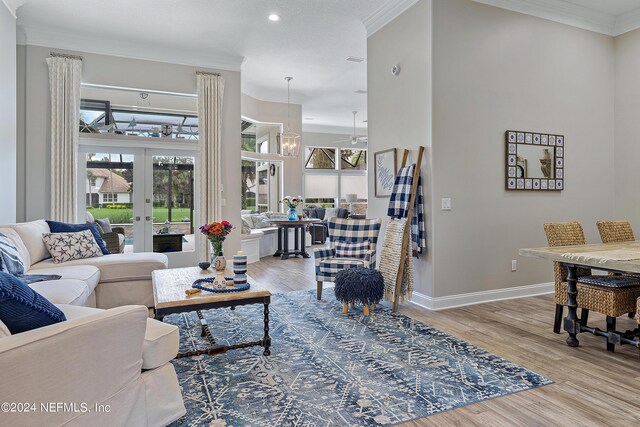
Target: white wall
{"x":495,"y":70}
{"x":399,"y":110}
{"x":627,"y":128}
{"x":33,"y":121}
{"x":8,"y":88}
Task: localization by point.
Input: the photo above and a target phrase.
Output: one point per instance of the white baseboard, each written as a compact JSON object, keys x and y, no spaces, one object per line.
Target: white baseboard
{"x":451,"y":301}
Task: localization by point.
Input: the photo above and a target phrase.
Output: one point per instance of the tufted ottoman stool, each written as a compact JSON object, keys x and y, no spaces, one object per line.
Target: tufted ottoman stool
{"x":359,"y":285}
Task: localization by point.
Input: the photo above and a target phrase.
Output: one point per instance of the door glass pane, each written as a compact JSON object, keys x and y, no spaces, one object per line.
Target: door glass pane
{"x":173,"y":204}
{"x":109,"y":191}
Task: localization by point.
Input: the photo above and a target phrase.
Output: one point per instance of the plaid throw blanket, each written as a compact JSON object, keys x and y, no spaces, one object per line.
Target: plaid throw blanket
{"x":399,"y":206}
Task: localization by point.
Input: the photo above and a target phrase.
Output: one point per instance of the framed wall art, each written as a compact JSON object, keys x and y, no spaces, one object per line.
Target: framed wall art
{"x":385,"y":166}
{"x":534,"y":161}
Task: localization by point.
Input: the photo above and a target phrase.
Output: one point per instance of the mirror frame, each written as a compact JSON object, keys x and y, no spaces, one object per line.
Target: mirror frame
{"x":513,"y":138}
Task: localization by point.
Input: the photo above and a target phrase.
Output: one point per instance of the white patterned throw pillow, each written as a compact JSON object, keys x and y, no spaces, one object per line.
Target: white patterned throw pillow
{"x":65,"y":247}
{"x":352,"y":249}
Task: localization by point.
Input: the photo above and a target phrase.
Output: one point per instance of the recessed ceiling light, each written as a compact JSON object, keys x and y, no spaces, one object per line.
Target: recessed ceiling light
{"x":273,"y":17}
{"x":355,"y":59}
{"x":360,"y":91}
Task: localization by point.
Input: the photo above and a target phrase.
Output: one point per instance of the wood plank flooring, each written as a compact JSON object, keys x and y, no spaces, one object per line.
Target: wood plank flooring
{"x":592,"y":387}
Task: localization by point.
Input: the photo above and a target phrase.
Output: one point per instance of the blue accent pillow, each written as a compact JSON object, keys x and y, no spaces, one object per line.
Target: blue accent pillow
{"x":63,"y":227}
{"x":23,"y":309}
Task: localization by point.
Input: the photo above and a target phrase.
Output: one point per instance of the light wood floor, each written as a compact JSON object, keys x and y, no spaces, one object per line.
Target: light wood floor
{"x":592,"y":387}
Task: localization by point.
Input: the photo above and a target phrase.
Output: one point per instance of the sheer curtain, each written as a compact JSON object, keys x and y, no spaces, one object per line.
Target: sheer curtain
{"x":210,"y":94}
{"x":64,"y":86}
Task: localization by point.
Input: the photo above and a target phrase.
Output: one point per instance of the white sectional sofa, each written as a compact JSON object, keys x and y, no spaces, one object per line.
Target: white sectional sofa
{"x":116,"y":358}
{"x":104,"y":282}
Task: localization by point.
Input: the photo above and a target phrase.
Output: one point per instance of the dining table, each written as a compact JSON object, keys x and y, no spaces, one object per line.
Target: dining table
{"x":299,"y":237}
{"x":619,"y":257}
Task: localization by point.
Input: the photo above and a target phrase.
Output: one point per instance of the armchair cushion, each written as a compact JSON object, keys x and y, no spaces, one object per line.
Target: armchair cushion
{"x":332,"y":266}
{"x":23,"y":309}
{"x":104,"y":225}
{"x":353,"y":249}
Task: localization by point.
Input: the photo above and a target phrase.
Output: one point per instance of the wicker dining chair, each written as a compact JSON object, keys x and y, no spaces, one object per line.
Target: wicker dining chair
{"x":598,"y":294}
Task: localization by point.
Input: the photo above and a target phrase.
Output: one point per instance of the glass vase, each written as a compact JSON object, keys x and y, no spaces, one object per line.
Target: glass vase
{"x":217,"y":257}
{"x":292,"y":214}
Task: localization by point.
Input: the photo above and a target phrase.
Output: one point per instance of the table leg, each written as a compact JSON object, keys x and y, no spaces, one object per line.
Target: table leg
{"x":205,"y":332}
{"x":571,"y":322}
{"x":285,"y":242}
{"x":267,"y":339}
{"x":279,"y":250}
{"x":303,"y":242}
{"x":296,"y":230}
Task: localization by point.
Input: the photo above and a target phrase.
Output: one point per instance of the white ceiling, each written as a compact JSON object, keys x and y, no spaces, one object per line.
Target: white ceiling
{"x":311,"y":42}
{"x":612,"y":7}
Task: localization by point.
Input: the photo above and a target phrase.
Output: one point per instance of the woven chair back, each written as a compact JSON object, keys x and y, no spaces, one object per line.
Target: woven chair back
{"x":615,"y":231}
{"x":565,"y":234}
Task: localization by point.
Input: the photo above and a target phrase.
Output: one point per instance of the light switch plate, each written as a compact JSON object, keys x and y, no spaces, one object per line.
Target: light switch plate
{"x":446,"y":204}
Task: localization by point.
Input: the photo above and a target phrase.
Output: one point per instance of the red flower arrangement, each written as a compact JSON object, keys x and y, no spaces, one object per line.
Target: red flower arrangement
{"x":216,"y":233}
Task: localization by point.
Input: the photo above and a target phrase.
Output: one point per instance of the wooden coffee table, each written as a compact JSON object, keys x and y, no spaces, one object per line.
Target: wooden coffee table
{"x":169,"y":297}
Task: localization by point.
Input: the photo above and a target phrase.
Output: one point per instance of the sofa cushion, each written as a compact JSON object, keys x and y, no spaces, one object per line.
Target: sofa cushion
{"x":10,"y":260}
{"x":23,"y":252}
{"x":63,"y":227}
{"x":63,"y":291}
{"x":161,"y":340}
{"x":118,"y":267}
{"x":31,"y":235}
{"x":65,"y":247}
{"x":23,"y":309}
{"x":260,"y":221}
{"x":87,"y":273}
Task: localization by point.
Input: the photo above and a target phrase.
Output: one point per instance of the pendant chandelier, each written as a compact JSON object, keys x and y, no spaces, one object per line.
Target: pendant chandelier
{"x":289,"y":141}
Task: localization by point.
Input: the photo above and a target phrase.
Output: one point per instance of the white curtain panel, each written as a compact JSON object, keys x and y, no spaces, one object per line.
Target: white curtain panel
{"x":210,"y":94}
{"x":64,"y":85}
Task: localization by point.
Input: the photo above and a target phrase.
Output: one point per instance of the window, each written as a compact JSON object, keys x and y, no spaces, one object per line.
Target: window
{"x":102,"y":117}
{"x":327,"y":184}
{"x":320,"y":158}
{"x":110,"y":198}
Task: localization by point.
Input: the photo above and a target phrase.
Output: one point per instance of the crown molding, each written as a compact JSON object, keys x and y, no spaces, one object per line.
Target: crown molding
{"x":126,"y":49}
{"x":11,"y":10}
{"x":627,"y":22}
{"x":385,"y":14}
{"x":561,"y":11}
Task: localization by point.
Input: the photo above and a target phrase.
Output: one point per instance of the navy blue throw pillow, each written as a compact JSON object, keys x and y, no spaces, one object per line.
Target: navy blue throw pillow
{"x":63,"y":227}
{"x":23,"y":309}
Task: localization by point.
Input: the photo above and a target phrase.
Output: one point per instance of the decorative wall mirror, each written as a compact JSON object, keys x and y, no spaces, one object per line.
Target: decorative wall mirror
{"x":535,"y":161}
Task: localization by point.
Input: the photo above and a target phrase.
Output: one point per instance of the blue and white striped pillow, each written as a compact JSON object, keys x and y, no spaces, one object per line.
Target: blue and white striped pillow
{"x":352,"y":249}
{"x":10,"y":261}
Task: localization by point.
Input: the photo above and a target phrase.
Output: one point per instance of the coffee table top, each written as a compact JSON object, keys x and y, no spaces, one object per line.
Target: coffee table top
{"x":169,"y":286}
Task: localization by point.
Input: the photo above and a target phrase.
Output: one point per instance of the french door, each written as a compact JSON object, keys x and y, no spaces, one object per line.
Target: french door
{"x":149,"y":192}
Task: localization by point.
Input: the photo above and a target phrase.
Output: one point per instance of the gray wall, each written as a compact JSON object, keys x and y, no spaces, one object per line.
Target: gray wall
{"x":33,"y":121}
{"x":495,"y":70}
{"x":7,"y":115}
{"x":399,"y":109}
{"x":627,"y":127}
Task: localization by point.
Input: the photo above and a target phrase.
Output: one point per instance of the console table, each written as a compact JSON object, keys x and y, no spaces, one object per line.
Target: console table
{"x":621,"y":257}
{"x":299,"y":228}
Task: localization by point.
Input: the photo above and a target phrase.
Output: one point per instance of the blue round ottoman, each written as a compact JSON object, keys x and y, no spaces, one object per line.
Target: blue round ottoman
{"x":359,"y":285}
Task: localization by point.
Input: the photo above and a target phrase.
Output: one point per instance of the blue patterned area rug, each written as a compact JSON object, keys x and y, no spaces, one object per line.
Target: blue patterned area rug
{"x":331,"y":369}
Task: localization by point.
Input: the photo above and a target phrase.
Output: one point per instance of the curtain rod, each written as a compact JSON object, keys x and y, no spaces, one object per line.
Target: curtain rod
{"x":205,"y":73}
{"x":64,"y":55}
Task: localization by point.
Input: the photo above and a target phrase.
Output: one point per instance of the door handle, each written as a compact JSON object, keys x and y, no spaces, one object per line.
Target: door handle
{"x":147,"y":218}
{"x":137,"y":218}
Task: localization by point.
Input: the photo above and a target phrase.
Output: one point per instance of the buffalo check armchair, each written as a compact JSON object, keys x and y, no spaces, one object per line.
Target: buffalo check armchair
{"x":328,"y":264}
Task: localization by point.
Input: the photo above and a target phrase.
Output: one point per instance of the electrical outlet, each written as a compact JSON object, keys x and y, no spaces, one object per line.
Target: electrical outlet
{"x":446,"y":204}
{"x":514,"y":265}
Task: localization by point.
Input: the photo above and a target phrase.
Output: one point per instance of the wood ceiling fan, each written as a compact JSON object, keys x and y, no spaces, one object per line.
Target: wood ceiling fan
{"x":354,"y":139}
